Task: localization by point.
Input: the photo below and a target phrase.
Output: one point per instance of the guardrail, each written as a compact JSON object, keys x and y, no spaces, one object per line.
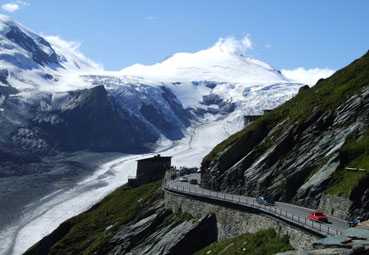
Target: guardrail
{"x":355,"y":169}
{"x":302,"y":221}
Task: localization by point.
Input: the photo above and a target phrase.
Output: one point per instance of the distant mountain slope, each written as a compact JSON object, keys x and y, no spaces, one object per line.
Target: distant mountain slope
{"x":216,"y":73}
{"x":299,"y":151}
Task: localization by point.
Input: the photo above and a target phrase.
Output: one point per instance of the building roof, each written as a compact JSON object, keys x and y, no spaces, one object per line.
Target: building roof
{"x":156,"y":158}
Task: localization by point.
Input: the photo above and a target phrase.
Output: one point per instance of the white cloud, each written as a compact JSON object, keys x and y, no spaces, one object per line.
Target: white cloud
{"x":268,"y":46}
{"x":70,"y":50}
{"x":307,"y":76}
{"x":23,"y":3}
{"x":10,"y":7}
{"x":232,"y":45}
{"x":15,"y":6}
{"x":151,"y":18}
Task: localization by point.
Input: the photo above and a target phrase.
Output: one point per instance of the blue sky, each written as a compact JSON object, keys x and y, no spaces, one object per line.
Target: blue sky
{"x":285,"y":34}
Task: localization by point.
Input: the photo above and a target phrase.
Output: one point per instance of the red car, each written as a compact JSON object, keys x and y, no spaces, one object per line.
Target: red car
{"x":318,"y":216}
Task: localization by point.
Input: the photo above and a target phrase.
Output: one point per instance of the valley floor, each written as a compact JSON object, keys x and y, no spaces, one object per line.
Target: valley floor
{"x":41,"y":218}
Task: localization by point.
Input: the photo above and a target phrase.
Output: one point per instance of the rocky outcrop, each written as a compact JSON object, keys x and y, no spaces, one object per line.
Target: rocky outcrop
{"x":78,"y":120}
{"x":353,"y":241}
{"x":148,"y":235}
{"x":295,"y":154}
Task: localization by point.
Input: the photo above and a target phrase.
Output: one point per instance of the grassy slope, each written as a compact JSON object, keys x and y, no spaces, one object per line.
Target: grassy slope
{"x":326,"y":94}
{"x":85,"y":232}
{"x":264,"y":242}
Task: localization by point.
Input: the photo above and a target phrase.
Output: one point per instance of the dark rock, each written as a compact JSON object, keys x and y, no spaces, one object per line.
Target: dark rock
{"x":212,"y":110}
{"x":4,"y":74}
{"x":211,"y":99}
{"x":210,"y":84}
{"x":48,"y":76}
{"x":303,"y":88}
{"x":155,"y":117}
{"x":333,"y":242}
{"x":176,"y":105}
{"x":225,"y":108}
{"x":199,"y":112}
{"x":86,"y":120}
{"x":188,"y":237}
{"x":27,"y":43}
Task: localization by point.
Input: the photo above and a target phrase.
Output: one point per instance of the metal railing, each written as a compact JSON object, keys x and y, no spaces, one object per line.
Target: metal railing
{"x":302,"y":221}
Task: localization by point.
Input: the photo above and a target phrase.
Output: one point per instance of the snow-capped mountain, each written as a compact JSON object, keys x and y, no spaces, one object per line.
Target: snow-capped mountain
{"x":150,"y":102}
{"x":26,"y":50}
{"x":215,"y":84}
{"x":29,"y":61}
{"x":214,"y":71}
{"x":55,"y":103}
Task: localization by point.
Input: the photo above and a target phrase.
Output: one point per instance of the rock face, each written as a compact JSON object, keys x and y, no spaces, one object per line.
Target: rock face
{"x":353,"y":241}
{"x":86,"y":120}
{"x":17,"y":36}
{"x":81,"y":120}
{"x":144,"y":236}
{"x":301,"y":149}
{"x":335,"y":205}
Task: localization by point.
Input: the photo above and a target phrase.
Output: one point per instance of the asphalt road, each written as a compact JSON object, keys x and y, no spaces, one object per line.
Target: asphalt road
{"x":297,"y":213}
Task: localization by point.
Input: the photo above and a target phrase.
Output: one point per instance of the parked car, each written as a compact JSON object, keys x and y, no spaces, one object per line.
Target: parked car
{"x":173,"y":176}
{"x":183,"y":179}
{"x":353,"y":223}
{"x":194,"y":181}
{"x":318,"y":216}
{"x":264,"y":200}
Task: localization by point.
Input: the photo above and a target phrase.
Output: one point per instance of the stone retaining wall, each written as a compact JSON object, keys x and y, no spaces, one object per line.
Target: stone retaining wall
{"x":335,"y":206}
{"x":232,"y":222}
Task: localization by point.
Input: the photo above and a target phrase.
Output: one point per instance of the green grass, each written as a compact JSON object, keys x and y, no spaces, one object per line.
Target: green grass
{"x":177,"y":216}
{"x":346,"y":181}
{"x":264,"y":242}
{"x":88,"y":236}
{"x":355,"y":154}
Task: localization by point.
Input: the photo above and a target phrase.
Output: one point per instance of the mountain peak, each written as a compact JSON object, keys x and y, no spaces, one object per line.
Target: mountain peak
{"x":5,"y":19}
{"x":23,"y":52}
{"x":223,"y":62}
{"x":232,"y":46}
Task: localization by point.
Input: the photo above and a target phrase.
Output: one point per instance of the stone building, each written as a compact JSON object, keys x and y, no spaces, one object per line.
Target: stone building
{"x":150,"y":169}
{"x":247,"y":119}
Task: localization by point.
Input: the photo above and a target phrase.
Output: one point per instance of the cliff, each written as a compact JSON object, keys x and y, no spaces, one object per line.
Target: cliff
{"x":299,"y":152}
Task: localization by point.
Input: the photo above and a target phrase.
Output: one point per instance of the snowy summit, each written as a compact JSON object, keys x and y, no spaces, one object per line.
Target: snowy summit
{"x":220,"y":63}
